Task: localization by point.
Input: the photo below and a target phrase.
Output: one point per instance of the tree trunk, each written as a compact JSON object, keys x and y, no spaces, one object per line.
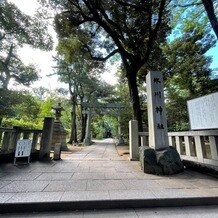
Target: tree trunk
{"x":208,"y":5}
{"x":133,"y":89}
{"x":83,"y":125}
{"x":1,"y":119}
{"x":73,"y":134}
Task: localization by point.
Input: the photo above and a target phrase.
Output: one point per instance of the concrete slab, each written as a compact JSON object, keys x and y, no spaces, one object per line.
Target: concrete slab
{"x":54,"y":176}
{"x":24,"y":186}
{"x":20,"y":176}
{"x":35,"y":197}
{"x":57,"y":186}
{"x":89,"y":175}
{"x":85,"y":195}
{"x":4,"y":183}
{"x":5,"y":196}
{"x":141,"y":184}
{"x":105,"y":185}
{"x":131,"y":194}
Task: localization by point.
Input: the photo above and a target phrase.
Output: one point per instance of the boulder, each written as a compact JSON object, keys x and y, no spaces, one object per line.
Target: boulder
{"x":169,"y":160}
{"x":149,"y":161}
{"x":162,"y":162}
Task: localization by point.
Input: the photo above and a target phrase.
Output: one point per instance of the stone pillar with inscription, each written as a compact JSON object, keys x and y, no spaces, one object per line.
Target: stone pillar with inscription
{"x":59,"y":133}
{"x":159,"y":157}
{"x":157,"y":122}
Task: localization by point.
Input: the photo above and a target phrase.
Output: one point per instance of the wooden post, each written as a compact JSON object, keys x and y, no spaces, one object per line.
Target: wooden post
{"x":45,"y":145}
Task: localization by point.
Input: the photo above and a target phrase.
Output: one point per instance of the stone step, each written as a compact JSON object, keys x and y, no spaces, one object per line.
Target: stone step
{"x":105,"y":204}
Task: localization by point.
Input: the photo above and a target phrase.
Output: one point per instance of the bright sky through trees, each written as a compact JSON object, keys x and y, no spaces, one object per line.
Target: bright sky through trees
{"x":44,"y":60}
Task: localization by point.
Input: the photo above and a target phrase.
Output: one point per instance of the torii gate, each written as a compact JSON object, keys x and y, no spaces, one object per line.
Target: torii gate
{"x":90,"y":106}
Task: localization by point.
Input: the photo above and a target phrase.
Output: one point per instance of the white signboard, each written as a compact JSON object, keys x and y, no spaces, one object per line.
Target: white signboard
{"x":203,"y":112}
{"x":23,"y":148}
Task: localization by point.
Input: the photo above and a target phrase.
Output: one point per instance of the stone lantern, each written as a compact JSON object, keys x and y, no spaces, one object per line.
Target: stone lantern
{"x":59,"y":133}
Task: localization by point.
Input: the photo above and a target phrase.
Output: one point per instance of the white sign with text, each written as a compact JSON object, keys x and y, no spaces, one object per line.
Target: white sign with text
{"x":203,"y":112}
{"x":23,"y":148}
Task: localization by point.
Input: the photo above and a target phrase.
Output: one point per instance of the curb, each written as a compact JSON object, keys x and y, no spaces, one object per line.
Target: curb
{"x":105,"y":204}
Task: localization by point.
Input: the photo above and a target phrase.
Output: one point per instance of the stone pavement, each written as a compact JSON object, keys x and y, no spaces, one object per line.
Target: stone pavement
{"x":96,"y":177}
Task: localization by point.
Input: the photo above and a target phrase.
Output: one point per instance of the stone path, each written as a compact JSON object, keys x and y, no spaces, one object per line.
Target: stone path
{"x":96,"y":177}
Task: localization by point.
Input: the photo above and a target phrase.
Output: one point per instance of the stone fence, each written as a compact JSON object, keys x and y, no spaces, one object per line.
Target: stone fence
{"x":200,"y":147}
{"x":41,"y":140}
{"x":9,"y":137}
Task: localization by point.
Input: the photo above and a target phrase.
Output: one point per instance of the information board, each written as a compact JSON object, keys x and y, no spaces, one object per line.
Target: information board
{"x":23,"y":148}
{"x":203,"y":112}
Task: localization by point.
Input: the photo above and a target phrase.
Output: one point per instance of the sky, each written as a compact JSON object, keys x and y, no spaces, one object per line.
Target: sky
{"x":44,"y":60}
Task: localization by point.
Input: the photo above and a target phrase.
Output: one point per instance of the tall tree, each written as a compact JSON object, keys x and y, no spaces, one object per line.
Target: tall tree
{"x":200,"y":7}
{"x":17,"y":29}
{"x":187,"y":72}
{"x":209,"y":6}
{"x":130,"y":28}
{"x":84,"y":87}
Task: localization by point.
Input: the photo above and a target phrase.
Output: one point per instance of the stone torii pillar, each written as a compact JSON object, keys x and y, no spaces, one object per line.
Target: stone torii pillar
{"x":87,"y":140}
{"x":120,"y":138}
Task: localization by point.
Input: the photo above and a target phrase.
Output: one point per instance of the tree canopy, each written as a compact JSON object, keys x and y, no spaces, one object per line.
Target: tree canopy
{"x":132,"y":29}
{"x":17,"y":29}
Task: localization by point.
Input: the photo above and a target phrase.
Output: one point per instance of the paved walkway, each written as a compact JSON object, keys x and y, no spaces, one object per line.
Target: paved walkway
{"x":97,"y":177}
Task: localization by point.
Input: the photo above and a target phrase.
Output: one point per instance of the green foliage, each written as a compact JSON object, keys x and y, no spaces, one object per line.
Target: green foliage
{"x":22,"y":123}
{"x":204,"y":12}
{"x":7,"y":98}
{"x":20,"y":28}
{"x":17,"y":29}
{"x":187,"y":73}
{"x":97,"y":127}
{"x":111,"y":124}
{"x":134,"y":30}
{"x":46,"y":108}
{"x":122,"y":93}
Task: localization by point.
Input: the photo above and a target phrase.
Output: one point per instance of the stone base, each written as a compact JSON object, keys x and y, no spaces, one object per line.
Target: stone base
{"x":120,"y":143}
{"x":161,"y":162}
{"x":87,"y":141}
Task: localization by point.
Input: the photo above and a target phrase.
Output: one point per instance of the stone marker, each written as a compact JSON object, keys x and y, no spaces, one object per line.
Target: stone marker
{"x":158,"y":158}
{"x":157,"y":122}
{"x":57,"y":151}
{"x":45,"y":145}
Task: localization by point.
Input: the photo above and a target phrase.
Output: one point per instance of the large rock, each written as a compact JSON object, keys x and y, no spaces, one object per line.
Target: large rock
{"x":149,"y":161}
{"x":164,"y":162}
{"x":169,"y":160}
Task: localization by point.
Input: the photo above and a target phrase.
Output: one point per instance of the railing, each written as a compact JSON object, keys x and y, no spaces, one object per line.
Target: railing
{"x":196,"y":146}
{"x":9,"y":137}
